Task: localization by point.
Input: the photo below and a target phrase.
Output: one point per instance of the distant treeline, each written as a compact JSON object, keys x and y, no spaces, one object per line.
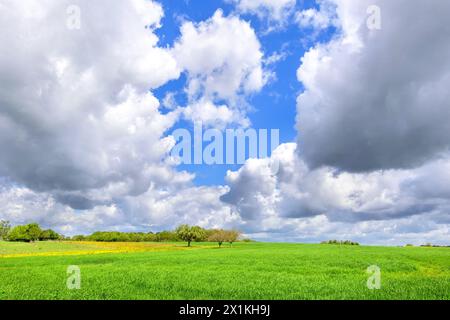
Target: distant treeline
{"x":33,"y":232}
{"x":341,"y":242}
{"x":115,"y":236}
{"x":27,"y":233}
{"x":183,"y":233}
{"x":429,"y":245}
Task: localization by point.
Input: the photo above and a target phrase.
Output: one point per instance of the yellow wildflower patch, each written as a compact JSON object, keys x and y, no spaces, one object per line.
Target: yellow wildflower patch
{"x":93,"y":248}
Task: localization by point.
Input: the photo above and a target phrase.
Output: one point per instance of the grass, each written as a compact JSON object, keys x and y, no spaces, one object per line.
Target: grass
{"x":245,"y":271}
{"x":46,"y":249}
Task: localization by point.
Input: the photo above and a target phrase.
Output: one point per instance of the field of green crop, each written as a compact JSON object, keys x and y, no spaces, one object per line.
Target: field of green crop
{"x":244,"y":271}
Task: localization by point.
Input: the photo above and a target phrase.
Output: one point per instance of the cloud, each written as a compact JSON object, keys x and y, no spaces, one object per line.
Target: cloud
{"x":416,"y":230}
{"x":83,"y":140}
{"x":77,"y":120}
{"x":317,"y":19}
{"x":377,"y":99}
{"x":372,"y":153}
{"x":276,"y":11}
{"x":156,"y":210}
{"x":222,"y":57}
{"x":296,"y":192}
{"x":216,"y":116}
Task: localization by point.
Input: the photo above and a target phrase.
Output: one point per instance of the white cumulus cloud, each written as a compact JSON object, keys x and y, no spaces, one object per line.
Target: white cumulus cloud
{"x":277,"y":11}
{"x":296,"y":195}
{"x":222,"y":57}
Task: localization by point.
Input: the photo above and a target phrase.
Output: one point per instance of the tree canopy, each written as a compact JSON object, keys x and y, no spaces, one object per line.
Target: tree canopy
{"x":189,"y":234}
{"x":26,"y":233}
{"x":31,"y":232}
{"x":5,"y":226}
{"x":221,"y":236}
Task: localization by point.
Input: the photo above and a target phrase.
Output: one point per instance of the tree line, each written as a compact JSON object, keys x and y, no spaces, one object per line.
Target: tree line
{"x":185,"y":233}
{"x":33,"y":232}
{"x":341,"y":242}
{"x":27,"y":233}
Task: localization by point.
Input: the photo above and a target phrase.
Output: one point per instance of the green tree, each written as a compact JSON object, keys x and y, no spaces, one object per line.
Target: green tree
{"x":5,"y":227}
{"x":166,"y":236}
{"x":189,"y":234}
{"x":49,"y":235}
{"x":150,"y":237}
{"x":34,"y":231}
{"x":27,"y":233}
{"x":79,"y":238}
{"x":19,"y":233}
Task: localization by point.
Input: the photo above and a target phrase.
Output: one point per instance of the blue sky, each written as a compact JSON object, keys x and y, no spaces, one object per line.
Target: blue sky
{"x":360,"y":104}
{"x":274,"y":107}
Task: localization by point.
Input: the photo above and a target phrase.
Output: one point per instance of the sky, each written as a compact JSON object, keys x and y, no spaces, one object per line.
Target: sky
{"x":92,"y":94}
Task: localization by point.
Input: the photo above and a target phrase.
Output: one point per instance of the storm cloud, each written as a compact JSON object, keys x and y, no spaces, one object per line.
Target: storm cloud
{"x":378,"y":98}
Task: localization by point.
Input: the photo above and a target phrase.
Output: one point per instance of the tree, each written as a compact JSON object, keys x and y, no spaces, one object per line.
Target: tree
{"x":5,"y":227}
{"x":219,"y":236}
{"x":28,"y":233}
{"x":34,"y":231}
{"x":79,"y":238}
{"x":49,"y":235}
{"x":166,"y":236}
{"x":19,"y":233}
{"x":232,"y":236}
{"x":189,"y":234}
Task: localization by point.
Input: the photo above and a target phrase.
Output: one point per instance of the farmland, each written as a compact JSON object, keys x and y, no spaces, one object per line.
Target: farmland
{"x":243,"y":271}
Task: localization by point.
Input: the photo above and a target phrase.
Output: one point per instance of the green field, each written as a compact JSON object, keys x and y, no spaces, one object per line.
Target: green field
{"x":245,"y":271}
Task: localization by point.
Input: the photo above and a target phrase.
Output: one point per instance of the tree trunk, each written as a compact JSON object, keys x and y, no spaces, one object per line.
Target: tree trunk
{"x":189,"y":243}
